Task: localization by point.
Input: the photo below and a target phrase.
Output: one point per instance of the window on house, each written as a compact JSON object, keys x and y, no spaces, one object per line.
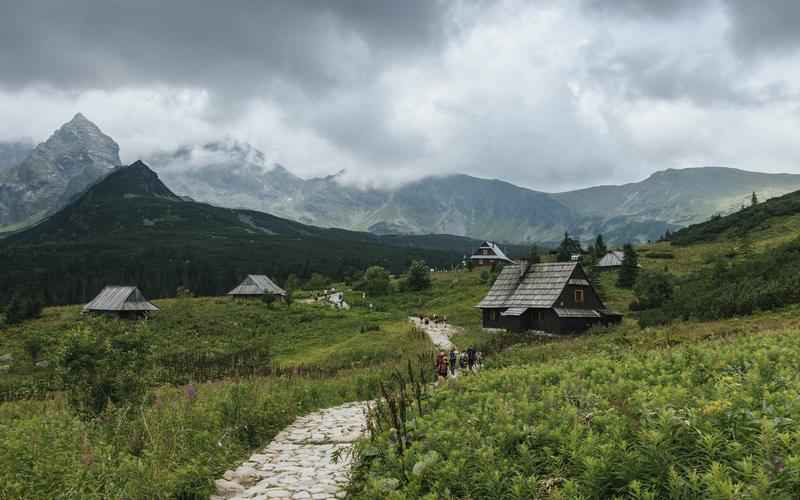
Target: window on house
{"x":579,"y":296}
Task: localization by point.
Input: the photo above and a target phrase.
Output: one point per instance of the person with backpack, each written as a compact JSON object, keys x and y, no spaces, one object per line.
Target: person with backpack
{"x":441,"y":365}
{"x":471,"y":358}
{"x":453,"y":359}
{"x":463,"y":360}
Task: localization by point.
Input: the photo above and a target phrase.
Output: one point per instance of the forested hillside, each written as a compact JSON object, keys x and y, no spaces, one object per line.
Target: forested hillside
{"x":130,"y":228}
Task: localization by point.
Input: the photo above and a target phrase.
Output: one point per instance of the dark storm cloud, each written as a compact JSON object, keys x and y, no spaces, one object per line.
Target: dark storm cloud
{"x":764,"y":27}
{"x":652,"y":9}
{"x":218,"y":45}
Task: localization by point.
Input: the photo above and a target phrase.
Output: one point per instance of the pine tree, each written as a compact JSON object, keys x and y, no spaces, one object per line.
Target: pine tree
{"x":630,"y":267}
{"x":754,"y":199}
{"x":564,"y":249}
{"x":600,"y":248}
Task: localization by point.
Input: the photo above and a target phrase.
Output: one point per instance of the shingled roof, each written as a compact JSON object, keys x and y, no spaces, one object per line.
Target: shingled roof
{"x":120,"y":298}
{"x":537,"y":286}
{"x":611,"y":259}
{"x":257,"y":284}
{"x":498,"y":254}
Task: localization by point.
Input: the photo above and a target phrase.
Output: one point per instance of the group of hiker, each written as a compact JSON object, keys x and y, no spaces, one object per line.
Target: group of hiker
{"x":447,"y":363}
{"x":435,"y":320}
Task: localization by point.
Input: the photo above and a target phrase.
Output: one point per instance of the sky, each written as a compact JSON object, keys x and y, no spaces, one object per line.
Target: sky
{"x":551,"y":95}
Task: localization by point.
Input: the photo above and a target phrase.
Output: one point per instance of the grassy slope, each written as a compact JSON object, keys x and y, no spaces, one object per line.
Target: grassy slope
{"x":690,"y":410}
{"x":179,"y":445}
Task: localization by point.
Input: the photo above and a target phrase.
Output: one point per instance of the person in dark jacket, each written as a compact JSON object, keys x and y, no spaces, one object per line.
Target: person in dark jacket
{"x":471,"y":358}
{"x":453,"y":360}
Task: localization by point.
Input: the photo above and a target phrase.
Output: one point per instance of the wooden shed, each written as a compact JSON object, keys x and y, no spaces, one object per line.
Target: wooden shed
{"x":120,"y":301}
{"x":550,"y":297}
{"x":256,"y":285}
{"x":611,"y":260}
{"x":489,"y":254}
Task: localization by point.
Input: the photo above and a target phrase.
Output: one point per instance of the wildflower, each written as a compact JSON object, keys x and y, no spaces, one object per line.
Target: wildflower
{"x":190,"y":391}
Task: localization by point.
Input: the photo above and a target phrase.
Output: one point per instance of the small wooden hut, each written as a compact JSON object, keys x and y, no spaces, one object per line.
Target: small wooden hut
{"x":121,"y":301}
{"x":611,"y":260}
{"x":489,"y":254}
{"x":554,"y":297}
{"x":256,"y":286}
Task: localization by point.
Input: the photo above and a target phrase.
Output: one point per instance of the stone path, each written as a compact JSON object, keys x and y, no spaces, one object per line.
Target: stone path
{"x":299,"y":462}
{"x":439,"y":334}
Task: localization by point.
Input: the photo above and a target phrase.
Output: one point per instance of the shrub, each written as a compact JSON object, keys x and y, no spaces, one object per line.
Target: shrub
{"x":660,"y":255}
{"x":269,"y":299}
{"x":653,"y":289}
{"x":23,"y":306}
{"x":419,"y":276}
{"x":317,"y":282}
{"x":34,"y":345}
{"x":292,"y":282}
{"x":653,"y":317}
{"x":484,"y":277}
{"x":100,"y":369}
{"x":376,"y":281}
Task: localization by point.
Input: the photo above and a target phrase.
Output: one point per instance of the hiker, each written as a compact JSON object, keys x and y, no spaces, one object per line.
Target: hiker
{"x":441,"y":365}
{"x":471,"y":358}
{"x":453,"y":359}
{"x":463,"y":360}
{"x":479,"y":359}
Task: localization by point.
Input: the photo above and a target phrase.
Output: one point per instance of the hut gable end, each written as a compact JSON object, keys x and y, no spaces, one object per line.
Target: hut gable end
{"x":120,"y":299}
{"x":257,"y":284}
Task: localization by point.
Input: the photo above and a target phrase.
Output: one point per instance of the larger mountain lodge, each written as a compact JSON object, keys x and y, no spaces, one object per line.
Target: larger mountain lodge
{"x":553,"y":297}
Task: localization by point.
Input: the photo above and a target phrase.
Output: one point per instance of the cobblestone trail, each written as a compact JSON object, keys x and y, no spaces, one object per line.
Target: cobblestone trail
{"x":299,"y":463}
{"x":439,"y":334}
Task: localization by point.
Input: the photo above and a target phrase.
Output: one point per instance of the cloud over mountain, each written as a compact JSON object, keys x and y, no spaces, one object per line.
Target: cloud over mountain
{"x":551,"y":95}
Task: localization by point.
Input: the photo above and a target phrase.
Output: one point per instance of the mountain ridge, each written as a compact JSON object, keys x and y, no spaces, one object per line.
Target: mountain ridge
{"x":233,"y":174}
{"x":129,"y":227}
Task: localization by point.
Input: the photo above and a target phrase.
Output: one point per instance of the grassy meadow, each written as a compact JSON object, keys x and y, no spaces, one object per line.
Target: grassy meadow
{"x":692,"y":409}
{"x":688,"y":410}
{"x":225,"y":376}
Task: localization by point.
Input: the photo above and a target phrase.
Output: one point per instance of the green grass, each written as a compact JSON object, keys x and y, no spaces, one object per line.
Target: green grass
{"x":691,"y":411}
{"x":176,"y":445}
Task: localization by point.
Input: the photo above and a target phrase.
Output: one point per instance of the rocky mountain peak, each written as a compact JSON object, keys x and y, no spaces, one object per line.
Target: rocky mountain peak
{"x":80,"y":135}
{"x":73,"y":158}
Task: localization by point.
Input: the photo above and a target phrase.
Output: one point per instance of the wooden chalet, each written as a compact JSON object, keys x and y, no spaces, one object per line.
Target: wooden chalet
{"x":551,"y":297}
{"x":489,"y":254}
{"x":120,"y":301}
{"x":611,"y":260}
{"x":256,"y":285}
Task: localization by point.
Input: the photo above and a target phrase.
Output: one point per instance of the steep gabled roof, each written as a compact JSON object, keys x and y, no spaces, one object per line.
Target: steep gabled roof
{"x":542,"y":285}
{"x":537,"y":286}
{"x":120,"y":298}
{"x":497,"y":253}
{"x":611,"y":259}
{"x":257,"y":284}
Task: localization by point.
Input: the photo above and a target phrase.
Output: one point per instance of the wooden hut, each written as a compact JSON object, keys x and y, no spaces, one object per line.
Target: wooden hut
{"x":256,"y":286}
{"x":611,"y":260}
{"x":489,"y":254}
{"x":551,"y":297}
{"x":120,"y":301}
